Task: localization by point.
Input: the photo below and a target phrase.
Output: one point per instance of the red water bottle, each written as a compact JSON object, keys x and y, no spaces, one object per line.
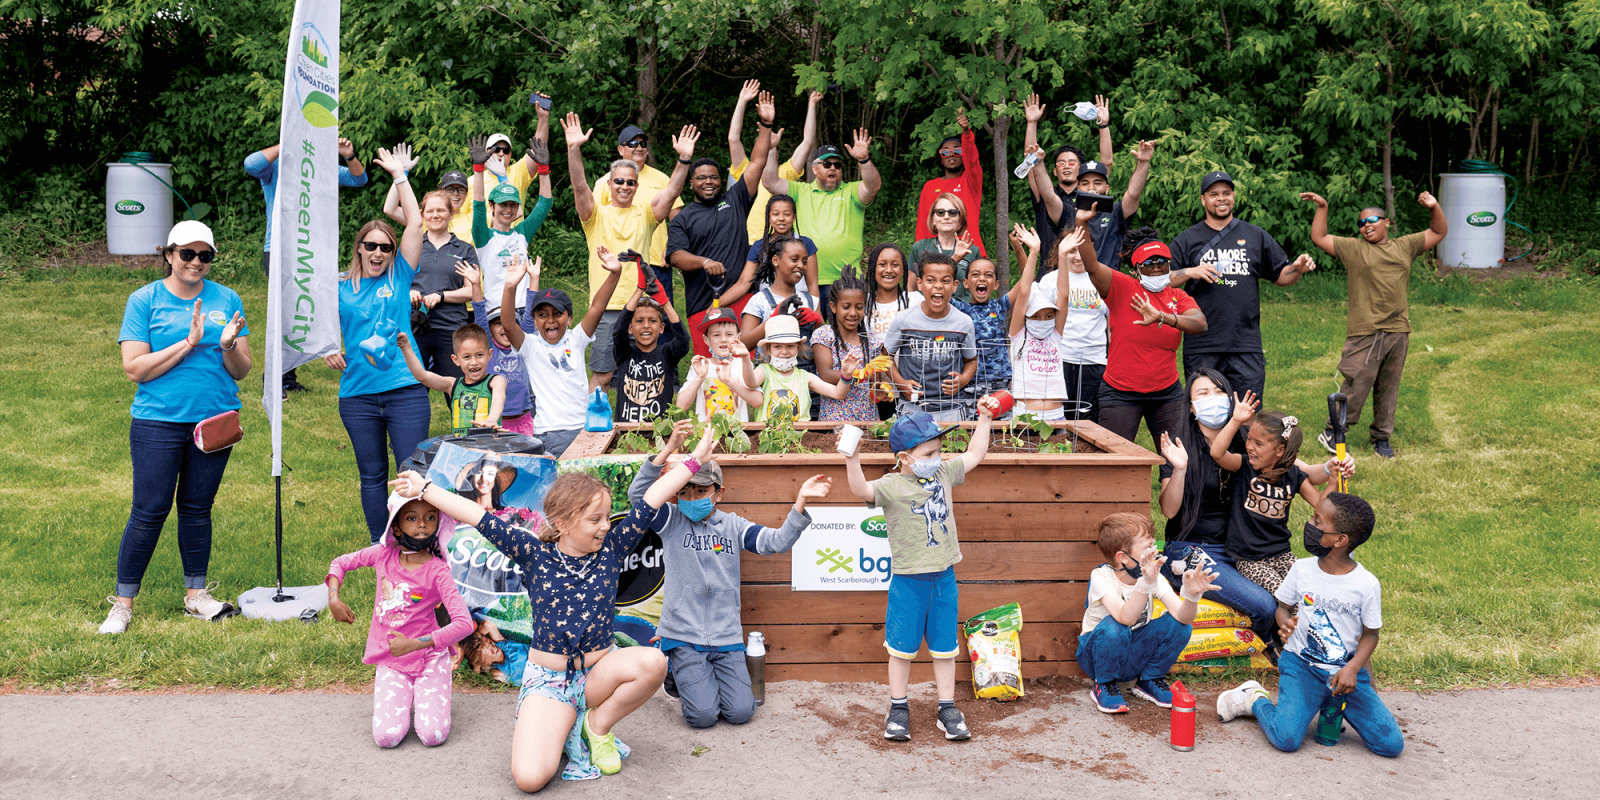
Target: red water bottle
{"x":1182,"y":718}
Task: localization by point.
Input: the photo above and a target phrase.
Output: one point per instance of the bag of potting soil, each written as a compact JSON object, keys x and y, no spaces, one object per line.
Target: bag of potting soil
{"x":1213,"y":665}
{"x":1207,"y":643}
{"x":994,"y":638}
{"x":1211,"y":614}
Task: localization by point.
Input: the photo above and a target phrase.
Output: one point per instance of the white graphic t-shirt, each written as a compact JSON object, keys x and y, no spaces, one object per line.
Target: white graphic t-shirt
{"x":1332,"y":609}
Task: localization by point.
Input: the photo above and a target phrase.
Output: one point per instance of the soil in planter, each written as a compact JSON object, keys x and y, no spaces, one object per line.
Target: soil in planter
{"x":825,"y":441}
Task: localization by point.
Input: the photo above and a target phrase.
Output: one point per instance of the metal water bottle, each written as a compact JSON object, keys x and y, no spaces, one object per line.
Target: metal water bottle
{"x":755,"y":659}
{"x":1330,"y":720}
{"x":1183,"y":703}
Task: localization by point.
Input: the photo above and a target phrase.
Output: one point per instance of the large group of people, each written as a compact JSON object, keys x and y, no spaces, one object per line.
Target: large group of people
{"x":788,"y":309}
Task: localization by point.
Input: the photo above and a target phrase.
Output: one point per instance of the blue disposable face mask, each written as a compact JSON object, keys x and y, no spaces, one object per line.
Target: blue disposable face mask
{"x":1213,"y":410}
{"x":697,"y":510}
{"x":925,"y":468}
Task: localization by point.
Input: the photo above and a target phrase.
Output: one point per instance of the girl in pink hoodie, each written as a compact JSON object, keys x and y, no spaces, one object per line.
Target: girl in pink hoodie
{"x":405,"y":643}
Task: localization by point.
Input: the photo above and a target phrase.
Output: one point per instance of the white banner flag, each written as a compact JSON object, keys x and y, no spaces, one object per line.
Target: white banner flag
{"x":303,"y":293}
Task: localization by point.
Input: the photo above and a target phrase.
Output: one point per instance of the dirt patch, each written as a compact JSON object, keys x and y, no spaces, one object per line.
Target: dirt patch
{"x":94,"y":254}
{"x":1531,"y":265}
{"x":1115,"y":766}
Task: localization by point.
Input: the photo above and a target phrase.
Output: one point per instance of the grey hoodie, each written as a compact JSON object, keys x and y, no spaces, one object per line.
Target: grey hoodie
{"x":702,"y":564}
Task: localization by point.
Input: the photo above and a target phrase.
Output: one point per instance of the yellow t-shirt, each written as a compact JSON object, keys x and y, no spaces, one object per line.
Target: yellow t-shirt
{"x":518,"y":175}
{"x":651,"y":180}
{"x":618,"y":229}
{"x":756,"y":224}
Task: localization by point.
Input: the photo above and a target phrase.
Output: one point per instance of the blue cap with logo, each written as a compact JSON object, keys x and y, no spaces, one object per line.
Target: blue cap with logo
{"x":554,"y":298}
{"x":1214,"y":178}
{"x":912,"y":429}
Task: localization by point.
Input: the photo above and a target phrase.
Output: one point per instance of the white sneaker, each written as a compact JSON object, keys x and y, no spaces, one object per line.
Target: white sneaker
{"x":117,"y":620}
{"x":1236,"y":702}
{"x":204,"y":606}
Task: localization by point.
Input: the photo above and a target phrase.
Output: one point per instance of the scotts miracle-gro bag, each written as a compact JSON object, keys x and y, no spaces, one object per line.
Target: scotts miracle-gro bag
{"x":994,"y":638}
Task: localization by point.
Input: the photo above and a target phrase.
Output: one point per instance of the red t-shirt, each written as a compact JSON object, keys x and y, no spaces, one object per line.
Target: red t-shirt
{"x":968,"y":186}
{"x":1142,"y":358}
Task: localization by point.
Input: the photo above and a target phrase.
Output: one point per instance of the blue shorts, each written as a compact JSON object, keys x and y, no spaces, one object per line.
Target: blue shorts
{"x":922,"y":607}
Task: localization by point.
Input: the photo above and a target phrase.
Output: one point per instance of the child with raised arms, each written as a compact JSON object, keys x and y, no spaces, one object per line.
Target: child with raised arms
{"x":1330,"y":610}
{"x":1035,"y":334}
{"x":782,"y":382}
{"x":846,"y":336}
{"x":504,"y":360}
{"x":716,"y":383}
{"x":405,"y":643}
{"x":477,"y":398}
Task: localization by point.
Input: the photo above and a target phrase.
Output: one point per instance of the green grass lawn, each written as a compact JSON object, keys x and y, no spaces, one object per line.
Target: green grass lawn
{"x":1485,"y":543}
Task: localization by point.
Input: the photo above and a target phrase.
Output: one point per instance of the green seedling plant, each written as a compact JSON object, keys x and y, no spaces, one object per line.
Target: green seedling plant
{"x":880,"y":430}
{"x":780,"y":435}
{"x":956,"y":441}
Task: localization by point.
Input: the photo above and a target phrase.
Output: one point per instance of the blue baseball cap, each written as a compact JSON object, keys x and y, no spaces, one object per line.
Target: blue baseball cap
{"x":912,"y":429}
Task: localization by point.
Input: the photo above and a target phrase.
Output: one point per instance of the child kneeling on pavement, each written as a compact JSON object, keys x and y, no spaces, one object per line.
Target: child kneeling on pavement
{"x":1120,"y":642}
{"x":1329,"y":612}
{"x":699,"y":630}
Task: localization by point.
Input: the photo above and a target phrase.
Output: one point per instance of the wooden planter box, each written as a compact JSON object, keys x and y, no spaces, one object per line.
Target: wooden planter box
{"x":1027,"y":528}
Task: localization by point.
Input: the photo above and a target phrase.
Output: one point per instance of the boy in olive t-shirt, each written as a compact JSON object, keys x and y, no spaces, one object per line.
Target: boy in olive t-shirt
{"x":918,"y":506}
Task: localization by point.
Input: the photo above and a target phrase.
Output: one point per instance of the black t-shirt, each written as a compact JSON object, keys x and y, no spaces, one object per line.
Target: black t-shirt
{"x":1243,"y":255}
{"x":1107,"y":229}
{"x":1216,"y":497}
{"x":646,"y":383}
{"x":716,"y":231}
{"x":1258,"y":527}
{"x":436,"y":272}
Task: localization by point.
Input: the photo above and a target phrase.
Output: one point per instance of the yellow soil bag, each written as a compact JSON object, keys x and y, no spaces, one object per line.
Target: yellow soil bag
{"x":1211,"y":665}
{"x":1212,"y":614}
{"x":994,"y":639}
{"x":1207,"y":643}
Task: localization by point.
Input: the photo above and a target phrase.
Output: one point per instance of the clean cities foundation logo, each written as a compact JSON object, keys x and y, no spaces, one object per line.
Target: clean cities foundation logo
{"x":316,"y":83}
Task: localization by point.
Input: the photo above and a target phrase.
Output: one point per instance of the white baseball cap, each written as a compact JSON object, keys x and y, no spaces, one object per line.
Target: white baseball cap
{"x":1039,"y":300}
{"x":190,"y":230}
{"x":497,"y":139}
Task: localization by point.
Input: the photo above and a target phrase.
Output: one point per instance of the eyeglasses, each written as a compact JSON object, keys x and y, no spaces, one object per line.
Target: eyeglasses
{"x":624,"y":181}
{"x":1372,"y":220}
{"x":205,"y":256}
{"x":499,"y":148}
{"x":711,"y":177}
{"x":946,"y":212}
{"x":946,"y":152}
{"x":638,"y":144}
{"x":374,"y":246}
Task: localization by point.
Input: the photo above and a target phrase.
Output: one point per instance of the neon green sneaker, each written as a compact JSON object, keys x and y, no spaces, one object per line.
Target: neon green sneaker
{"x":602,"y":750}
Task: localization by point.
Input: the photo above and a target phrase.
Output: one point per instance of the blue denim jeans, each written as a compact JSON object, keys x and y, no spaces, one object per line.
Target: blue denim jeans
{"x":166,"y":463}
{"x":712,"y":686}
{"x":397,"y":418}
{"x":1301,"y":690}
{"x":1114,"y":652}
{"x":1234,"y":590}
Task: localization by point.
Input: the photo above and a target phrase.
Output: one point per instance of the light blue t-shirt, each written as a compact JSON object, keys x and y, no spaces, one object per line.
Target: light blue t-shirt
{"x":387,"y":296}
{"x":199,"y":386}
{"x":257,"y":166}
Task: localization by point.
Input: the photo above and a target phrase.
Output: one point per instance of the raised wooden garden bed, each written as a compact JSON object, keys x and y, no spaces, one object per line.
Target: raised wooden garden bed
{"x":1027,"y":526}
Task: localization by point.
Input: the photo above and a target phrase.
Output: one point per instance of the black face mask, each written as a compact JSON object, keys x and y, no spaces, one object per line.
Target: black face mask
{"x":413,"y":545}
{"x":1313,"y":541}
{"x":1135,"y":572}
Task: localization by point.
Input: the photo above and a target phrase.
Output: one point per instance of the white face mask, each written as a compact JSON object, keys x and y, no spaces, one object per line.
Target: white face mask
{"x":1213,"y":410}
{"x":784,"y":364}
{"x":1155,"y":283}
{"x":1041,"y":328}
{"x":925,"y":468}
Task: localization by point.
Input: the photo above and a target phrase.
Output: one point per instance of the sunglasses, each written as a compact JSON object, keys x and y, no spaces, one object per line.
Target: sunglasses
{"x":1372,"y":220}
{"x":946,"y":152}
{"x":205,"y":256}
{"x":946,"y":212}
{"x":624,"y":181}
{"x":831,"y":164}
{"x":638,"y":144}
{"x":499,"y":148}
{"x":375,"y":246}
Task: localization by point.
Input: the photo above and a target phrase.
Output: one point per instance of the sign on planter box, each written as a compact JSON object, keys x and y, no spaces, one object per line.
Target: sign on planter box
{"x":846,"y":549}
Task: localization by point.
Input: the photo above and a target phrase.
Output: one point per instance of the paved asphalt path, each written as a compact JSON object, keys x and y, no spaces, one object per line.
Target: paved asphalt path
{"x":809,"y":741}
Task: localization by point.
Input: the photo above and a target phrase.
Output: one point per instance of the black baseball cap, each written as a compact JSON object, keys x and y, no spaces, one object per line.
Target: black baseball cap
{"x":827,"y":151}
{"x":453,"y":178}
{"x":1096,"y":168}
{"x":629,"y":134}
{"x":1213,"y":178}
{"x":554,"y":298}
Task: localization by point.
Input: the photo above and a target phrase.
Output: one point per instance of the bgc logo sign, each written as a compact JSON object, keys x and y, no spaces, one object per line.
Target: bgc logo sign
{"x":844,"y":549}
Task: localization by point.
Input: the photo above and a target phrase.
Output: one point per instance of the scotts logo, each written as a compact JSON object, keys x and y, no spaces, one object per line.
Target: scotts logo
{"x":129,"y":207}
{"x":316,"y":82}
{"x":876,"y":527}
{"x":1482,"y":219}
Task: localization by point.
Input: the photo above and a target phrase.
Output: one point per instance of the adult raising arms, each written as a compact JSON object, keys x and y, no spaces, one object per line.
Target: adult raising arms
{"x":578,"y":685}
{"x":183,"y":343}
{"x":381,"y":404}
{"x":1145,"y":320}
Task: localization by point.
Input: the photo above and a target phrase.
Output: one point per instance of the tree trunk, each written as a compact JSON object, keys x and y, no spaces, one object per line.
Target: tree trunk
{"x":649,"y":80}
{"x":1533,"y":152}
{"x":1494,"y":133}
{"x":1001,"y":254}
{"x":1388,"y":171}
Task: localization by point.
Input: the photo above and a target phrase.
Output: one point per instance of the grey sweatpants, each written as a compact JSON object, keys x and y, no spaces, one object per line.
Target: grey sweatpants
{"x":1372,"y":365}
{"x":712,"y":685}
